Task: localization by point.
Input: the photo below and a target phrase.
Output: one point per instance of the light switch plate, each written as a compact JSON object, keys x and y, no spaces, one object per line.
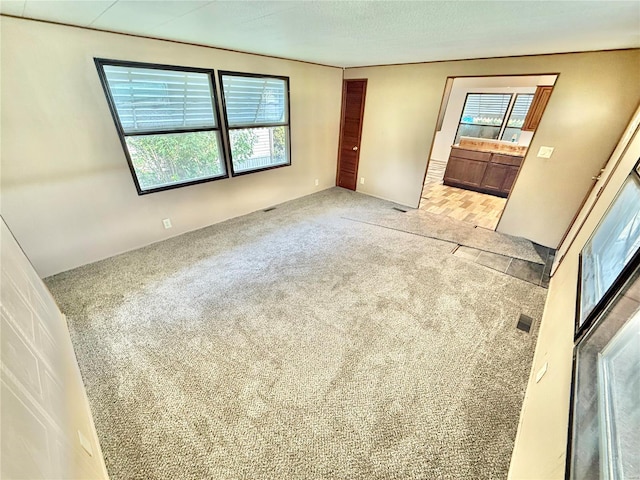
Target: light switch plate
{"x":545,"y":152}
{"x":167,"y":223}
{"x":541,"y":372}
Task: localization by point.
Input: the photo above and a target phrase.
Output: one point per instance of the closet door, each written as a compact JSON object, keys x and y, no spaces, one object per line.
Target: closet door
{"x":353,"y":96}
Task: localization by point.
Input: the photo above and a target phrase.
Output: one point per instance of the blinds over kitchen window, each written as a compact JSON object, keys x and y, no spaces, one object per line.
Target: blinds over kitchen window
{"x":520,"y":110}
{"x":485,"y":108}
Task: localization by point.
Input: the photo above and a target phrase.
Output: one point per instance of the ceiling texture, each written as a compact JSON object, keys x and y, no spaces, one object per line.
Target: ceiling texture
{"x":359,"y":33}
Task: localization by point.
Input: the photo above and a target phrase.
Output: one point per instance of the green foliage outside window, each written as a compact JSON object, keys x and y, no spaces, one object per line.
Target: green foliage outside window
{"x":279,"y":144}
{"x":242,"y":142}
{"x":165,"y":159}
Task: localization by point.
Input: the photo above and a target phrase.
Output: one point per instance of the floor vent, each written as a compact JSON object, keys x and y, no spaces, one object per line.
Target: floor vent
{"x":524,"y":323}
{"x":269,"y":209}
{"x":400,"y":209}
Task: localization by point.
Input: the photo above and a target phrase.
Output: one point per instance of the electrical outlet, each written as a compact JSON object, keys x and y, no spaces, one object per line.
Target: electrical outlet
{"x":361,"y":180}
{"x":545,"y":152}
{"x":317,"y":182}
{"x":541,"y":372}
{"x":167,"y":223}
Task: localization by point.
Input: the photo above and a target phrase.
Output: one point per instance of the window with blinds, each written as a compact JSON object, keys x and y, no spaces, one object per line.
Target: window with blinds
{"x":485,"y":109}
{"x":256,"y":111}
{"x":517,"y":116}
{"x":484,"y":115}
{"x":168,"y":122}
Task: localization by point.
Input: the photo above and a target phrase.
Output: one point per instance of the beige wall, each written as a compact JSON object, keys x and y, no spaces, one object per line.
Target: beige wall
{"x":67,"y":192}
{"x":593,"y":99}
{"x":612,"y":164}
{"x":45,"y":418}
{"x":539,"y":451}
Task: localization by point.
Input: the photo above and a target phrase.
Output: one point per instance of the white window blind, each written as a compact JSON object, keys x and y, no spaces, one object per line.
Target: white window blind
{"x":256,"y":111}
{"x":485,"y":108}
{"x":520,"y":110}
{"x":253,"y":101}
{"x":167,"y":121}
{"x":149,"y":99}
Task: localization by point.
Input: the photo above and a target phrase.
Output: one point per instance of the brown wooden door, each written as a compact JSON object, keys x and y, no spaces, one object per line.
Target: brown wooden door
{"x":353,"y":95}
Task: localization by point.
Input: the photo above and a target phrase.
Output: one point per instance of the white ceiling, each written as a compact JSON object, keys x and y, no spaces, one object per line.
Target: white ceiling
{"x":357,"y":33}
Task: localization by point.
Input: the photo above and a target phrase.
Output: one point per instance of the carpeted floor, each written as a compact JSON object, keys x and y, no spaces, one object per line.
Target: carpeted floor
{"x":299,"y":344}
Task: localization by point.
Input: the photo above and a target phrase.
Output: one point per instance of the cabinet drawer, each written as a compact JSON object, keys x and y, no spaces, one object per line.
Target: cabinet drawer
{"x":470,"y":154}
{"x":506,"y":159}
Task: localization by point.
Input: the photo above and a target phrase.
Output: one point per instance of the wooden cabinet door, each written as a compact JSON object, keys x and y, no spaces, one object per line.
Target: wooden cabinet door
{"x":510,"y":179}
{"x":494,"y":177}
{"x":462,"y":171}
{"x":539,"y":103}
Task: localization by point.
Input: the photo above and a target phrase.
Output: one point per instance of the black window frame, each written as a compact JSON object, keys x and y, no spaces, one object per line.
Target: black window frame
{"x":507,"y":112}
{"x":101,"y":62}
{"x":227,"y":128}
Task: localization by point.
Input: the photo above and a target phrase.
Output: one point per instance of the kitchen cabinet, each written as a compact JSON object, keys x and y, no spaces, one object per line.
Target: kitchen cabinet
{"x":510,"y":179}
{"x":486,"y":172}
{"x":465,"y":171}
{"x":494,"y":177}
{"x":538,"y":104}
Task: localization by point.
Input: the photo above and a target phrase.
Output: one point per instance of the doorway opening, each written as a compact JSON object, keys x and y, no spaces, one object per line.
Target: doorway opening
{"x":484,"y":129}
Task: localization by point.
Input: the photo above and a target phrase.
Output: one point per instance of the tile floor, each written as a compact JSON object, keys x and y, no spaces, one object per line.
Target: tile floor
{"x":465,"y":205}
{"x":532,"y":272}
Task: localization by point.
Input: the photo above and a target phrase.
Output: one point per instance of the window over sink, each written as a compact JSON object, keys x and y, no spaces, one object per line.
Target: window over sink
{"x":496,"y":116}
{"x":512,"y":130}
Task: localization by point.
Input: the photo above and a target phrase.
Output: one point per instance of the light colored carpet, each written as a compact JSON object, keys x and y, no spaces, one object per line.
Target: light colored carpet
{"x":296,"y":344}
